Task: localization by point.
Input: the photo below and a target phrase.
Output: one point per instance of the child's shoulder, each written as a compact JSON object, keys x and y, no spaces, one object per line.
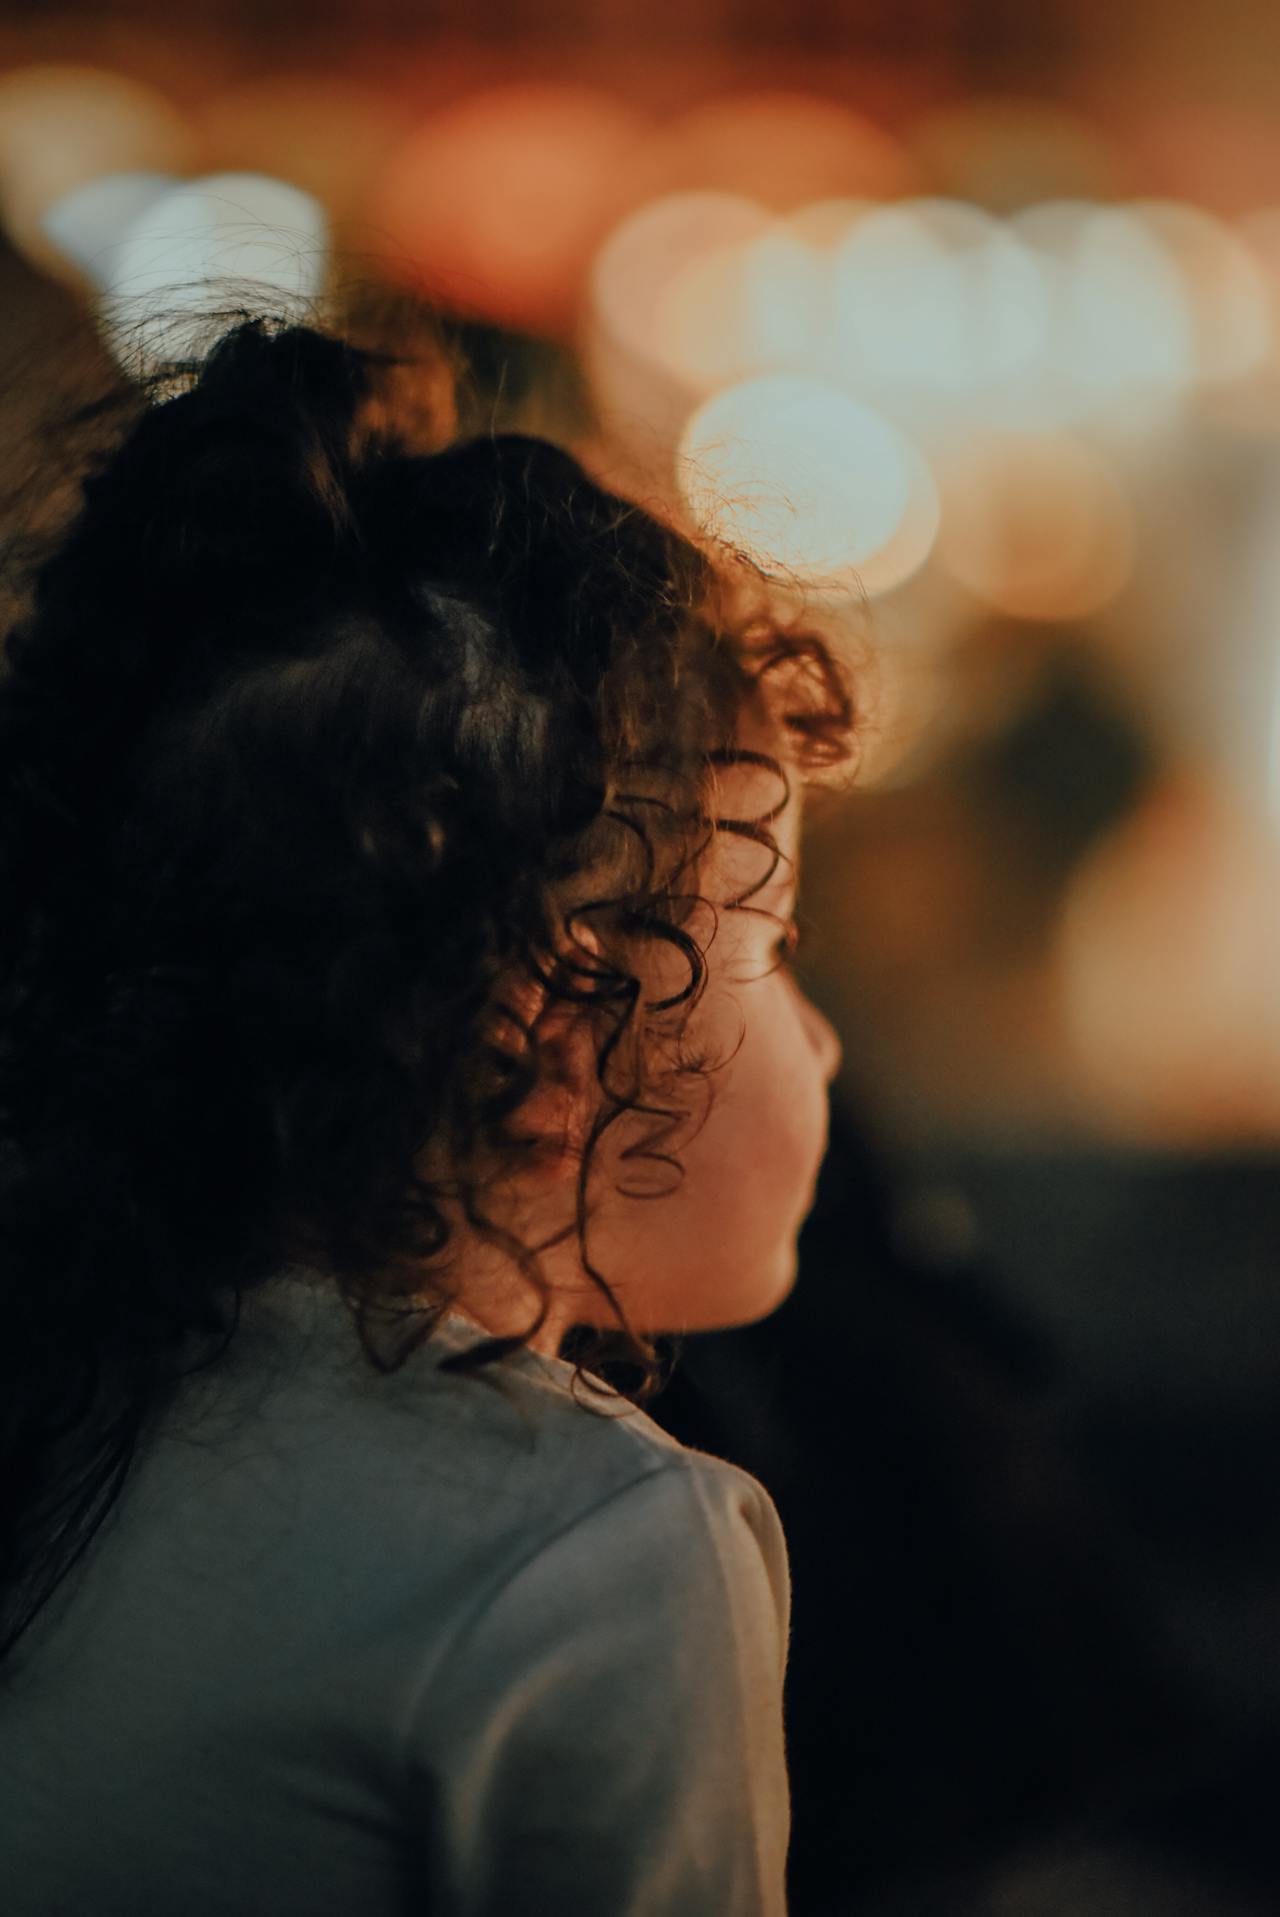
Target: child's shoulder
{"x":554,"y":1422}
{"x":599,"y":1448}
{"x":525,"y":1419}
{"x":526,"y":1430}
{"x":426,"y":1487}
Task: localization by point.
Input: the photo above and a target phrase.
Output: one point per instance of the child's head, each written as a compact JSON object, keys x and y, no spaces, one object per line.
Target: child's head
{"x":366,"y":810}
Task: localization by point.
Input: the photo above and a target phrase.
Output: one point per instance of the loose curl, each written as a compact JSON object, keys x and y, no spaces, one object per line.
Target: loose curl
{"x":312,"y":738}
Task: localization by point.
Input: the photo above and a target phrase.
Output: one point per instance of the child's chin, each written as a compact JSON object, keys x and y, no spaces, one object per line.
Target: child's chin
{"x":787,"y":1284}
{"x":775,"y":1285}
{"x":747,"y":1301}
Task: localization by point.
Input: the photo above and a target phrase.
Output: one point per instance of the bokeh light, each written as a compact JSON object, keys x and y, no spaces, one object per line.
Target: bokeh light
{"x":1222,"y":156}
{"x":744,"y":308}
{"x":1168,"y":955}
{"x":644,"y":259}
{"x":1036,"y":525}
{"x":497,"y":202}
{"x":914,"y":537}
{"x":64,"y":126}
{"x":934,"y":301}
{"x":226,"y":239}
{"x":796,"y":475}
{"x":87,"y":227}
{"x":1223,"y":284}
{"x":645,"y":375}
{"x":1120,"y":342}
{"x":1251,"y":407}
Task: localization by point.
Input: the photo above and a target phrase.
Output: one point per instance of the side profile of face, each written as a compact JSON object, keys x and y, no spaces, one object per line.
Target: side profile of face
{"x":718,"y":1247}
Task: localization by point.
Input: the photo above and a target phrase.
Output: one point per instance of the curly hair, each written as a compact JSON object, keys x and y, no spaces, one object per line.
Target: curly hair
{"x":311,"y":739}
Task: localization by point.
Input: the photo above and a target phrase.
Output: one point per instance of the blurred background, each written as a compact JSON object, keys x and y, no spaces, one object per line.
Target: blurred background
{"x":964,"y":317}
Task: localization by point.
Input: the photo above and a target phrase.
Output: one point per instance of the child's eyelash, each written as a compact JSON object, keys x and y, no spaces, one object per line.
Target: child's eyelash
{"x":787,"y":942}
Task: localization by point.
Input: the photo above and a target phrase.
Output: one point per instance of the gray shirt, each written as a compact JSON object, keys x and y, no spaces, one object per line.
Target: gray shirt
{"x":353,"y":1644}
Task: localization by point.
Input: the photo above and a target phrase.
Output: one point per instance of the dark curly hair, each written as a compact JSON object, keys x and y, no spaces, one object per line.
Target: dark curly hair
{"x":311,"y":735}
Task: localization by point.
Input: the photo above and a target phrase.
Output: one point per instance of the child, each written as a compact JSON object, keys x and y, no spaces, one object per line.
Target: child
{"x":397,"y":868}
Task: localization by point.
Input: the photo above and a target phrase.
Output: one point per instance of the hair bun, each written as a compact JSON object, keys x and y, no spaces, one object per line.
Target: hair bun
{"x":241,"y":481}
{"x":218,"y":506}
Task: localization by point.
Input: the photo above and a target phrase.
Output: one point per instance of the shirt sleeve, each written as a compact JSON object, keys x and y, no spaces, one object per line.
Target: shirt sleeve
{"x":606,"y":1737}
